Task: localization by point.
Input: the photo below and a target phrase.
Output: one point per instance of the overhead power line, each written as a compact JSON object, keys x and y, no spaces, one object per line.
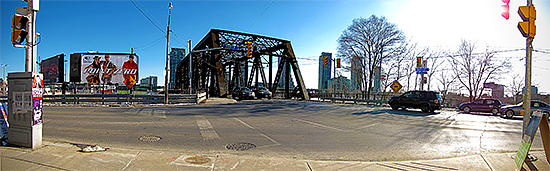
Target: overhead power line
{"x":147,"y":17}
{"x":260,"y":15}
{"x":177,"y":39}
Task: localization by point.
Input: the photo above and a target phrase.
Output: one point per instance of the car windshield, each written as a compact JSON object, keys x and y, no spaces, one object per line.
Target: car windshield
{"x":245,"y":89}
{"x":262,"y":89}
{"x":438,"y":96}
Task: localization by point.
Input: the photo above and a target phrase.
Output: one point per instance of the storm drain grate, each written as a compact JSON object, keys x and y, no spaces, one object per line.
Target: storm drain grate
{"x":149,"y":138}
{"x":240,"y":146}
{"x":197,"y":160}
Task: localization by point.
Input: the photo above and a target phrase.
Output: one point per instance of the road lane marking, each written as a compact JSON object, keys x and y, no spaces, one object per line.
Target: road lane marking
{"x":320,"y":125}
{"x":261,"y":133}
{"x":146,"y":112}
{"x":369,"y":125}
{"x":159,"y":113}
{"x":206,"y":129}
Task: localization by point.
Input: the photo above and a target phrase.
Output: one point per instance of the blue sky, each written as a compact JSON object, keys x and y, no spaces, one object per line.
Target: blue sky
{"x":312,"y":26}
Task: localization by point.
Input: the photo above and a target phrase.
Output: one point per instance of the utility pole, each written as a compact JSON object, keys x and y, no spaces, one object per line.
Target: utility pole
{"x":190,"y":66}
{"x":528,"y":64}
{"x":167,"y":69}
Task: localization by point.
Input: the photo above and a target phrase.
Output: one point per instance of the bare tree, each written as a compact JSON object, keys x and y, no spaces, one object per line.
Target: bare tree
{"x":516,"y":86}
{"x":368,"y":42}
{"x":400,"y":66}
{"x":433,"y":63}
{"x":474,"y":69}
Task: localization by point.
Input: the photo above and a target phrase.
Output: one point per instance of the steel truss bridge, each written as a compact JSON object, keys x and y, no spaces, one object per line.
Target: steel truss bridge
{"x":220,"y":63}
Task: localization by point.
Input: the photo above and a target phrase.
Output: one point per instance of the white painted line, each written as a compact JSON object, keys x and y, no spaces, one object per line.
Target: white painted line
{"x":320,"y":125}
{"x":262,"y":134}
{"x":206,"y":129}
{"x":369,"y":125}
{"x":130,"y":162}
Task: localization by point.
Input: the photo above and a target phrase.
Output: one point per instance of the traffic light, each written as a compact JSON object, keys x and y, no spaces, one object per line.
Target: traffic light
{"x":425,"y":80}
{"x":338,"y":63}
{"x":419,"y":62}
{"x":325,"y":60}
{"x":528,"y":14}
{"x":249,"y":49}
{"x":19,"y":28}
{"x":506,"y":7}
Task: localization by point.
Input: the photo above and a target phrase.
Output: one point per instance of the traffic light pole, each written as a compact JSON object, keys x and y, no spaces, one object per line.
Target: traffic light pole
{"x":528,"y":63}
{"x":30,"y":47}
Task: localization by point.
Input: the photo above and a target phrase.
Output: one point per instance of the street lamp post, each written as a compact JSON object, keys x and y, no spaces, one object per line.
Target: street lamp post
{"x":4,"y":77}
{"x":167,"y":69}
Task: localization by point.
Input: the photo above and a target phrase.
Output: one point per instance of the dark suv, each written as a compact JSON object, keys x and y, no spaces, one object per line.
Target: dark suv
{"x":427,"y":101}
{"x":482,"y":105}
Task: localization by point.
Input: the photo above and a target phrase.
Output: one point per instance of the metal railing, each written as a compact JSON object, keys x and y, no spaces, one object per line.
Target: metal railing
{"x":119,"y":98}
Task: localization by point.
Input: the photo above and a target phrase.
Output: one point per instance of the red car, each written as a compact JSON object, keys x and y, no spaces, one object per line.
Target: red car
{"x":482,"y":105}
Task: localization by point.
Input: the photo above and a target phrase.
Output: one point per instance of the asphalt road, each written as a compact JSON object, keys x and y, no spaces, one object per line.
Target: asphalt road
{"x":288,"y":129}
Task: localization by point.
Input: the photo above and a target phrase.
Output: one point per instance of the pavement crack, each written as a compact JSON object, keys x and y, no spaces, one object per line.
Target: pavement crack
{"x":482,"y":133}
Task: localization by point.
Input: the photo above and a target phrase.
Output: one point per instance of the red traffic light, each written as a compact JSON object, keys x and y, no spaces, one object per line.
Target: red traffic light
{"x":506,"y":7}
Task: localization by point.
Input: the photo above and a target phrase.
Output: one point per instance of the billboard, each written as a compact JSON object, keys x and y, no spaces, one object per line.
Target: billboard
{"x":53,"y":69}
{"x":103,"y":68}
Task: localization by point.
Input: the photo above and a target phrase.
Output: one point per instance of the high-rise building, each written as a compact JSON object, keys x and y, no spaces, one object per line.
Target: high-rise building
{"x":176,"y":56}
{"x":282,"y":79}
{"x":355,"y":75}
{"x":149,"y":82}
{"x":325,"y":66}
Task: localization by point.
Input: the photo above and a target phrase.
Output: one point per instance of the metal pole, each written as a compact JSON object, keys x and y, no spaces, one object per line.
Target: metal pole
{"x":527,"y":95}
{"x":190,"y":67}
{"x":4,"y":78}
{"x":167,"y":69}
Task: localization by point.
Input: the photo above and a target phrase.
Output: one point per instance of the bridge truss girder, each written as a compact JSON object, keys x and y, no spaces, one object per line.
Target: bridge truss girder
{"x":219,"y":64}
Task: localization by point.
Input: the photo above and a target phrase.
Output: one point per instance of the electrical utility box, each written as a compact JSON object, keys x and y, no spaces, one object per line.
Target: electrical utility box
{"x":25,"y":109}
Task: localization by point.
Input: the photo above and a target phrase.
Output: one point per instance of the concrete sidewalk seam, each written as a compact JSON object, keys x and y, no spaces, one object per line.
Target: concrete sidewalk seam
{"x":130,"y":162}
{"x":486,"y":162}
{"x":32,"y":162}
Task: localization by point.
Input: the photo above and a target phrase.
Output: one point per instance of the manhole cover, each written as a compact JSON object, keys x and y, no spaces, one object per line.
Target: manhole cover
{"x":149,"y":138}
{"x":240,"y":146}
{"x":197,"y":160}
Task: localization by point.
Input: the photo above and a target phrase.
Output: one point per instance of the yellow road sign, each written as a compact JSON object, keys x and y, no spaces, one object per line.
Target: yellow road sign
{"x":396,"y":86}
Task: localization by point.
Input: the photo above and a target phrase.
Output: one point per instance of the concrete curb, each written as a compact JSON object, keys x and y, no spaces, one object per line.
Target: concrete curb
{"x":65,"y":156}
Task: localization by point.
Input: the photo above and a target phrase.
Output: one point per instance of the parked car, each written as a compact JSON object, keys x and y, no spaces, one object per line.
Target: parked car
{"x":241,"y":93}
{"x":513,"y":110}
{"x":482,"y":105}
{"x":427,"y":101}
{"x":262,"y":92}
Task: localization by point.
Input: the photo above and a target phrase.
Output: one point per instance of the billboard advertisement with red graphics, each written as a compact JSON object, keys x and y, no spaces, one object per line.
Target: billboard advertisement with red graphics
{"x":52,"y":69}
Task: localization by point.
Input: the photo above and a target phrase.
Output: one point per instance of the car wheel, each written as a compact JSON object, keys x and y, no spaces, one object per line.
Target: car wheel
{"x":494,"y":111}
{"x":395,"y":106}
{"x":509,"y":113}
{"x":425,"y":108}
{"x":467,"y":109}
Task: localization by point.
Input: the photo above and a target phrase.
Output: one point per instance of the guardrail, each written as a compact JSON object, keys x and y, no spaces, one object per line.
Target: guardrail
{"x":377,"y":98}
{"x":119,"y":98}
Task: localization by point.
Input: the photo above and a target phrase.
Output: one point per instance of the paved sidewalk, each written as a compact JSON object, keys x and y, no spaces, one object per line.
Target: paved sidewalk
{"x":66,"y":156}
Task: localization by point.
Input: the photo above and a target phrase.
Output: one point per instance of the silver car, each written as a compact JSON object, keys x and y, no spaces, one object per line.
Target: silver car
{"x":515,"y":110}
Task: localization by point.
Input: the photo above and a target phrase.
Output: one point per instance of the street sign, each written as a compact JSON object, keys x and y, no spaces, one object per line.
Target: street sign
{"x":422,"y":69}
{"x":396,"y":86}
{"x":535,"y":122}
